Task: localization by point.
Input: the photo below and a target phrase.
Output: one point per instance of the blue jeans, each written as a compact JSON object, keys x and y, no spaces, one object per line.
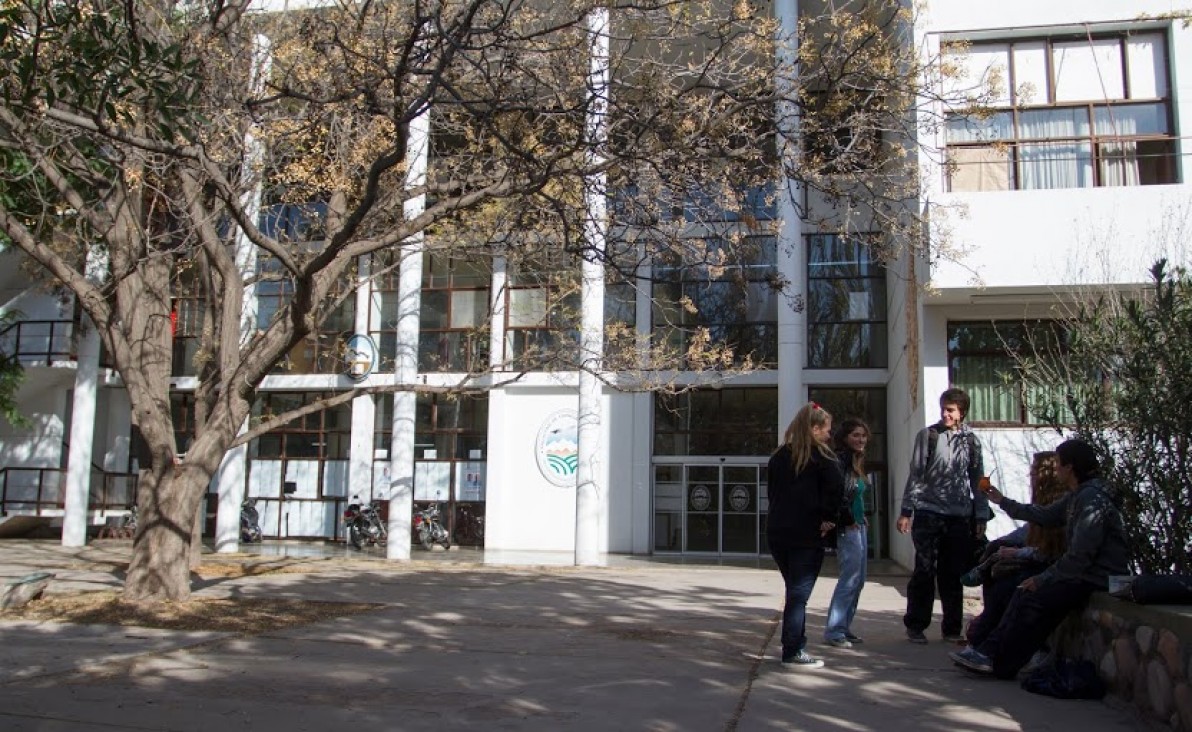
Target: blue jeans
{"x":852,"y":554}
{"x":800,"y":567}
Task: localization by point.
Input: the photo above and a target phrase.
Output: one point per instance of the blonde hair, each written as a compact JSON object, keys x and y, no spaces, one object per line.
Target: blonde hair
{"x":801,"y":440}
{"x":1046,"y":488}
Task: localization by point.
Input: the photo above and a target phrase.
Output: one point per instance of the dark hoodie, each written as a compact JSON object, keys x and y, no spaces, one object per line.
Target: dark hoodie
{"x":1096,"y":535}
{"x":947,"y":483}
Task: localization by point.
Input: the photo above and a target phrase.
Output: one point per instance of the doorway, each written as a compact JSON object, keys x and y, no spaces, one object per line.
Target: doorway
{"x":709,"y":507}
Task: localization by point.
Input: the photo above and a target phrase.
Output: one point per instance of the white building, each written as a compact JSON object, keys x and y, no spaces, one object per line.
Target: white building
{"x":1078,"y":179}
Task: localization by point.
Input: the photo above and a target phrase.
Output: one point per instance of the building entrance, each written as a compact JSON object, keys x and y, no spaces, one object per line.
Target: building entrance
{"x":710,"y":507}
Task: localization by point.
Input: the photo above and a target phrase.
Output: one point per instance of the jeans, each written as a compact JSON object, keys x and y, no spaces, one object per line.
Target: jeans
{"x":995,"y":596}
{"x":943,"y":550}
{"x":1030,"y":618}
{"x":800,"y":567}
{"x":852,"y":553}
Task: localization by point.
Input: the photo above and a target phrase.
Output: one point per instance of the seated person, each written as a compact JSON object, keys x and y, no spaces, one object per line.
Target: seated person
{"x":1023,"y":553}
{"x":1096,"y":548}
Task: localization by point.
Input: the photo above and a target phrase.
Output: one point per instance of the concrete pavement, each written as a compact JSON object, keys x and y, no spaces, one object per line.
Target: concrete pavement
{"x":457,"y":643}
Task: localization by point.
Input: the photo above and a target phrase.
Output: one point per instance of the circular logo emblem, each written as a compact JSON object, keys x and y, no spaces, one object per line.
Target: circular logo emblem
{"x":360,"y":356}
{"x":701,"y":498}
{"x":738,"y":498}
{"x":557,"y":448}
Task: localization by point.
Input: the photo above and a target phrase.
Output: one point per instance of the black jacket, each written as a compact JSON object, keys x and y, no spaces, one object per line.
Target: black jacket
{"x":800,"y":502}
{"x":1092,"y":517}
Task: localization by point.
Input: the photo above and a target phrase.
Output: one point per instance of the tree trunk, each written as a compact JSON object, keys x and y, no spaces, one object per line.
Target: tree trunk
{"x":166,"y":508}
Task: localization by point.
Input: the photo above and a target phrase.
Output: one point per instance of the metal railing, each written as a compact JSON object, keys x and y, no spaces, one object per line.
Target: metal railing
{"x":39,"y":342}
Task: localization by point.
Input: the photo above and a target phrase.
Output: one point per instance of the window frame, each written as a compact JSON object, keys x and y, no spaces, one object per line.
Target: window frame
{"x":1098,"y":156}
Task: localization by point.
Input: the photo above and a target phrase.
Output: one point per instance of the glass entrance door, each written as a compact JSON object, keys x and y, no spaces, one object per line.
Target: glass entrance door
{"x":709,"y":508}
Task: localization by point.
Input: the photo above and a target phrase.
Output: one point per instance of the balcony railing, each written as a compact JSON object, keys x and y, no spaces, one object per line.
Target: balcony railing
{"x":39,"y":342}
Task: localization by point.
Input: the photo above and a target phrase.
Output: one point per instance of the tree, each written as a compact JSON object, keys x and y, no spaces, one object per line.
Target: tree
{"x":172,"y":145}
{"x":1119,"y":378}
{"x":11,"y":376}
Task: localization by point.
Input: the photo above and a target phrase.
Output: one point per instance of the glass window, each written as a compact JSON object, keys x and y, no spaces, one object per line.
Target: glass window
{"x":846,"y":303}
{"x":982,"y":361}
{"x":1074,"y":127}
{"x":454,"y":317}
{"x":323,"y":435}
{"x":542,"y":315}
{"x":725,"y":288}
{"x":716,"y":422}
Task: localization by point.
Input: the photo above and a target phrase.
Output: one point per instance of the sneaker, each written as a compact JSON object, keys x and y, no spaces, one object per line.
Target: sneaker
{"x":839,"y":642}
{"x":973,"y":660}
{"x":802,"y":660}
{"x":852,"y":638}
{"x":916,"y":636}
{"x":956,"y":638}
{"x":973,"y":578}
{"x":1041,"y":658}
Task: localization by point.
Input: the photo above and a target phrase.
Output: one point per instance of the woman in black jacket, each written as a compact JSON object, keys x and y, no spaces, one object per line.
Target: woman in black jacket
{"x":804,"y":487}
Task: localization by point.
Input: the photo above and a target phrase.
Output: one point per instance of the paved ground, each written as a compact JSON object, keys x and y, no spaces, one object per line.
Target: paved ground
{"x":462,"y":642}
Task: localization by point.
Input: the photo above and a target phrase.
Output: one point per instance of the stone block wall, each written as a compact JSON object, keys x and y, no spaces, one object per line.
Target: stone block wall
{"x":1144,"y":653}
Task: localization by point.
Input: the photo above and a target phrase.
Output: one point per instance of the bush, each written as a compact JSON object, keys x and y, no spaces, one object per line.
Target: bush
{"x":1123,"y":380}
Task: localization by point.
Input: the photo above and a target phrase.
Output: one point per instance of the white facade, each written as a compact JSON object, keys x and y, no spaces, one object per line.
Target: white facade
{"x":1015,"y":251}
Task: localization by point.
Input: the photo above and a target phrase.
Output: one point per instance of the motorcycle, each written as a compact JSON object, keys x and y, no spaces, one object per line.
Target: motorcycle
{"x":250,"y":522}
{"x":364,"y":524}
{"x":430,"y":530}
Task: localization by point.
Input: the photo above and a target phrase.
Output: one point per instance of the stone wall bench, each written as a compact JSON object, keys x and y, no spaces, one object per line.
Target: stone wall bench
{"x":1144,"y":654}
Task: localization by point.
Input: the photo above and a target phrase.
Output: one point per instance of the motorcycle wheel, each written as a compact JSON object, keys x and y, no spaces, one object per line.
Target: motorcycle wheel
{"x":446,"y":541}
{"x":382,"y":535}
{"x":254,"y":535}
{"x":424,"y":538}
{"x":354,"y":536}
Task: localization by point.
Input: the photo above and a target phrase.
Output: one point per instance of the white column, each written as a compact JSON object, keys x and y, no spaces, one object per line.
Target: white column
{"x":409,"y":304}
{"x":82,"y":425}
{"x":591,"y":499}
{"x":364,"y":408}
{"x":231,"y":488}
{"x":792,"y":253}
{"x":643,"y":416}
{"x":230,"y":479}
{"x":496,"y":336}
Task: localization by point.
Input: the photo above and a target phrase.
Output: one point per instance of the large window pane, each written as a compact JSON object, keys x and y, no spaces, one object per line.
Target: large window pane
{"x":1055,"y":165}
{"x":1088,"y":70}
{"x":1147,"y":66}
{"x":846,"y":305}
{"x":716,"y":422}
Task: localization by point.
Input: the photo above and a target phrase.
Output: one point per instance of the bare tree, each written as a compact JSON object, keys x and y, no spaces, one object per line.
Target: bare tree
{"x":168,"y":144}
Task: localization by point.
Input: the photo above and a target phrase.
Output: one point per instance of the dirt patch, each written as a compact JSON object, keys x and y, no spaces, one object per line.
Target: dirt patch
{"x":230,"y":615}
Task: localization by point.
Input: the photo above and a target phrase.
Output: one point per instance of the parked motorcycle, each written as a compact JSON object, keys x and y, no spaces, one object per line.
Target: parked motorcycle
{"x":430,"y":529}
{"x":250,"y":522}
{"x":363,"y":524}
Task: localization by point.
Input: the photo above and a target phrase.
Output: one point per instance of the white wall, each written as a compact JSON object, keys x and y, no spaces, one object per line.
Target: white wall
{"x":524,"y":510}
{"x":1064,"y":237}
{"x":39,"y":446}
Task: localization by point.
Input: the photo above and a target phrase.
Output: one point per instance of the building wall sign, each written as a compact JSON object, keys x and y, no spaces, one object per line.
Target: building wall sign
{"x":557,"y":448}
{"x":361,"y":356}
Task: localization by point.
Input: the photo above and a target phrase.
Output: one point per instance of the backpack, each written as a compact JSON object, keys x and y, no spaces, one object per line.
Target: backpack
{"x":1067,"y":679}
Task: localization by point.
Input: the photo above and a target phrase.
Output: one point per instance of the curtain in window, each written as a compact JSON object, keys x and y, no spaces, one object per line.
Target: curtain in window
{"x":990,"y":399}
{"x":1054,"y":164}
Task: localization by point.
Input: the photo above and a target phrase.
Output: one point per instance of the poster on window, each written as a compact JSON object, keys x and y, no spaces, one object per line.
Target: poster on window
{"x":469,"y":480}
{"x":432,"y":481}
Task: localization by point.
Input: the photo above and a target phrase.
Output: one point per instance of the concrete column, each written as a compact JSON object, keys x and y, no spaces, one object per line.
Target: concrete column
{"x":643,"y":416}
{"x":82,"y":425}
{"x":409,"y":299}
{"x":496,"y":336}
{"x":591,"y":499}
{"x":230,"y":479}
{"x":231,"y":488}
{"x":364,"y":408}
{"x":792,"y":252}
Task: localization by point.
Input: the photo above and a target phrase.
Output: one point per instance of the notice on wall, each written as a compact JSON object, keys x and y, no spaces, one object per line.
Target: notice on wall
{"x":432,"y":481}
{"x":469,"y":481}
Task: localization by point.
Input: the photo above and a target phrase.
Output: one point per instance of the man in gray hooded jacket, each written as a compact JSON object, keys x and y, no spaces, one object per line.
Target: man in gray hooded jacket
{"x":1097,"y":548}
{"x":944,"y":512}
